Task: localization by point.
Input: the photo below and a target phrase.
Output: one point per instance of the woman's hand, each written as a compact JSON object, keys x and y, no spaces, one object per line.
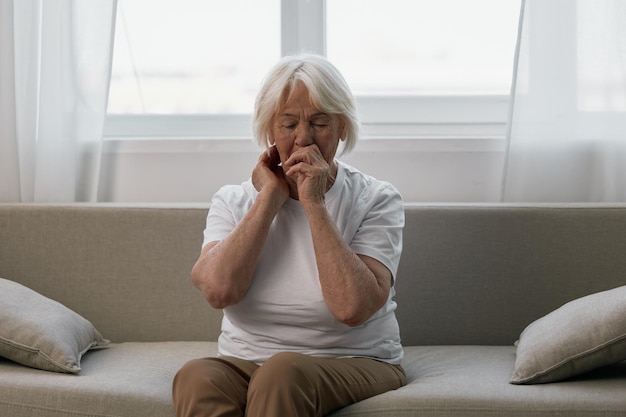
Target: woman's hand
{"x":311,"y":174}
{"x":268,"y":175}
{"x":225,"y":269}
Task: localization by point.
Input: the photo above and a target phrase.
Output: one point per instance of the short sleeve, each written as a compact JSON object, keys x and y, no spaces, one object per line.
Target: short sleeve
{"x":228,"y":206}
{"x":379,"y":235}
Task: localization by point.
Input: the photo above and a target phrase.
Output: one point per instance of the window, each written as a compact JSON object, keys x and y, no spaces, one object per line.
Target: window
{"x":192,"y":56}
{"x":197,"y":64}
{"x":423,"y":47}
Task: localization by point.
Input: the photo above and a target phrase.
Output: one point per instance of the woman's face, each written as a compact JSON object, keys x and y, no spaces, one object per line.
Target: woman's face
{"x":299,"y":124}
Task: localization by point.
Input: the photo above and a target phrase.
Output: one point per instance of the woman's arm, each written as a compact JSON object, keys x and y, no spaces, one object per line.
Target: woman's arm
{"x":224,"y":270}
{"x":354,"y":286}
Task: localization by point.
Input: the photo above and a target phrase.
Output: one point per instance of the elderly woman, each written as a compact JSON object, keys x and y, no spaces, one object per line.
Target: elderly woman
{"x":302,"y":258}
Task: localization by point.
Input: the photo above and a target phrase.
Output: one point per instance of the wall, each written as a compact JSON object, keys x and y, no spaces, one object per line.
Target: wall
{"x":436,"y":169}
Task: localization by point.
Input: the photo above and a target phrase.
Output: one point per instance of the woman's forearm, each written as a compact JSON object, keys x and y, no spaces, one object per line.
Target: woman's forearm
{"x":225,"y":269}
{"x":354,"y":287}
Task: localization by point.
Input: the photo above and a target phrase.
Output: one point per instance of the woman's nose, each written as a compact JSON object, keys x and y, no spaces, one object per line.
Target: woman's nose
{"x":304,"y":135}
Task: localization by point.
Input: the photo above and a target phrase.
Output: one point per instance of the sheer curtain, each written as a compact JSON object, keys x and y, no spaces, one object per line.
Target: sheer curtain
{"x":55,"y":66}
{"x":567,"y":125}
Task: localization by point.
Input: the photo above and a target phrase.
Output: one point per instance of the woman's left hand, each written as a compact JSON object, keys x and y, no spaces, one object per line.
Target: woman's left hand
{"x":354,"y":287}
{"x":311,"y":174}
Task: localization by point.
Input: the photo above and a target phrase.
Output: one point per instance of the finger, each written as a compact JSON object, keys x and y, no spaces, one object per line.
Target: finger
{"x":293,"y":170}
{"x":274,"y":155}
{"x":264,"y":157}
{"x":303,"y":170}
{"x":308,"y":154}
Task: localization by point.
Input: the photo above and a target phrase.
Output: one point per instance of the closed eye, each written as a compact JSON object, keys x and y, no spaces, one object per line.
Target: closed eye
{"x":320,"y":121}
{"x":319,"y":126}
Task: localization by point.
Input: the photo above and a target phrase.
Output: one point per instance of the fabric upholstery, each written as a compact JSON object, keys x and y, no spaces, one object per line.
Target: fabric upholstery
{"x":582,"y":335}
{"x":471,"y":277}
{"x":125,"y":269}
{"x":39,"y":332}
{"x":124,"y":380}
{"x":479,"y":274}
{"x":457,"y":381}
{"x":469,"y":274}
{"x":134,"y":380}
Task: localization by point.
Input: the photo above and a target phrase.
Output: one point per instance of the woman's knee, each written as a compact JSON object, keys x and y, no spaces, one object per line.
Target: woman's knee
{"x":187,"y":388}
{"x":283,"y":385}
{"x":212,"y":386}
{"x":191,"y":374}
{"x":286,"y":368}
{"x":285,"y":373}
{"x":215,"y":371}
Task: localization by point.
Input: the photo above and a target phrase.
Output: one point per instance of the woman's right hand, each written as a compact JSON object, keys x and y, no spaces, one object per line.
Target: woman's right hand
{"x":225,"y":268}
{"x":268,"y":176}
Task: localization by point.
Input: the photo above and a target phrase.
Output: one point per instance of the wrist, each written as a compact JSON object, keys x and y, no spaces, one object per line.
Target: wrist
{"x":272,"y":197}
{"x":314,"y":207}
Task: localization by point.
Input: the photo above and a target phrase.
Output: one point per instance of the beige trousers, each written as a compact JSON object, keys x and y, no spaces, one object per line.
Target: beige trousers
{"x":287,"y":385}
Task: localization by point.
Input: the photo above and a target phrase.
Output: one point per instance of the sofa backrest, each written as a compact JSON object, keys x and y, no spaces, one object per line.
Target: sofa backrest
{"x":479,"y":274}
{"x":126,"y":269}
{"x":469,"y":274}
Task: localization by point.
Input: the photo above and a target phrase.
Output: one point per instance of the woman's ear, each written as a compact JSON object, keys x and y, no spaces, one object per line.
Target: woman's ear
{"x":343,"y":128}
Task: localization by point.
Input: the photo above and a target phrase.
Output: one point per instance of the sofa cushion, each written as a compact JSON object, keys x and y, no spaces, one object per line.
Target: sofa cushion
{"x":584,"y":334}
{"x":135,"y":380}
{"x":463,"y":381}
{"x":131,"y":379}
{"x":41,"y":333}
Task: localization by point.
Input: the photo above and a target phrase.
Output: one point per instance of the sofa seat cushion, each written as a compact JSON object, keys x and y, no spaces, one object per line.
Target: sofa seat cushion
{"x":459,"y":381}
{"x":124,"y":380}
{"x":135,"y":379}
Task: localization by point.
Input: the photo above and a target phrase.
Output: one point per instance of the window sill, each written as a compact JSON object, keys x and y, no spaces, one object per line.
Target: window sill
{"x":389,"y":138}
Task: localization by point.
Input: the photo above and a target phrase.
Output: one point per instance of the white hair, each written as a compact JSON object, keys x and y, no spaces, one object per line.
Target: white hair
{"x":328,"y":90}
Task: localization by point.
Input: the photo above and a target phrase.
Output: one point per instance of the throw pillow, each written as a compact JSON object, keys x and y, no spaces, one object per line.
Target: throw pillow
{"x":580,"y":336}
{"x":41,"y":333}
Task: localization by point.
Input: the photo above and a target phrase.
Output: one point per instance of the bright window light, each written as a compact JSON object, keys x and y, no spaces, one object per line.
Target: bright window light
{"x":423,"y":47}
{"x":192,"y":56}
{"x":192,"y":68}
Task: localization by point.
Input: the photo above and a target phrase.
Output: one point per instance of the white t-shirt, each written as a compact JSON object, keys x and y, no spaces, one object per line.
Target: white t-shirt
{"x":284,"y":309}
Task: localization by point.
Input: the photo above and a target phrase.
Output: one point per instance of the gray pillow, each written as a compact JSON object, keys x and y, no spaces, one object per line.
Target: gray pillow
{"x":580,"y":336}
{"x":41,"y":333}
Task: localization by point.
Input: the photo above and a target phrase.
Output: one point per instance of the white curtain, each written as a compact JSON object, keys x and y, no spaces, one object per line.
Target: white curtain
{"x":55,"y":68}
{"x":567,"y":125}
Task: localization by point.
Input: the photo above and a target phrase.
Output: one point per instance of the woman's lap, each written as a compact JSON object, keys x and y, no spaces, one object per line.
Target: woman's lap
{"x":287,"y":384}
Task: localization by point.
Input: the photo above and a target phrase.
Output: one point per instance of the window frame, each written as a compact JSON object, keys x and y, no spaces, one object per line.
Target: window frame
{"x":303,"y":29}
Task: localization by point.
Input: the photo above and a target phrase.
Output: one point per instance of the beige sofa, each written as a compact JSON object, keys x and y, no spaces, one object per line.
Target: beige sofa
{"x":471,"y":279}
